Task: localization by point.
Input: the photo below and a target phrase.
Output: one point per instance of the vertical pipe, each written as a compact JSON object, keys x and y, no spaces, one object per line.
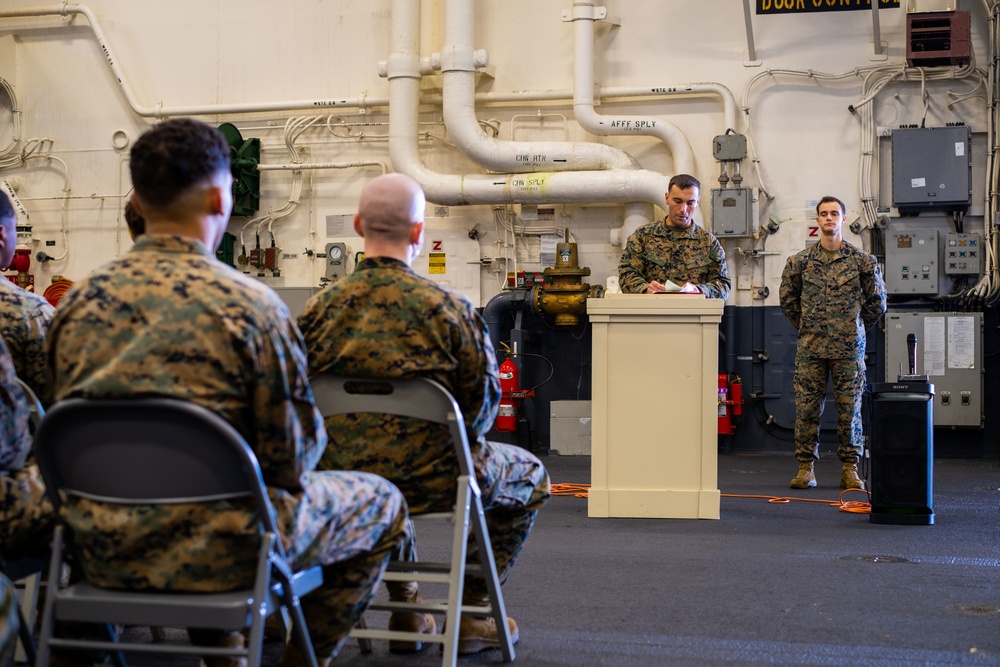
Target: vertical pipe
{"x":751,"y":51}
{"x":876,"y":32}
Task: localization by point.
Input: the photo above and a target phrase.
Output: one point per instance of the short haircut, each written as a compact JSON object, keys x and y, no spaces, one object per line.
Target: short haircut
{"x":167,"y":160}
{"x":827,"y":199}
{"x":7,"y":211}
{"x":389,"y":206}
{"x":136,"y":223}
{"x":683,"y":182}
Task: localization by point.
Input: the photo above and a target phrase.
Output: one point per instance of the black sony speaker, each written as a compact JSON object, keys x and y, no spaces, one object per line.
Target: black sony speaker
{"x":902,"y":453}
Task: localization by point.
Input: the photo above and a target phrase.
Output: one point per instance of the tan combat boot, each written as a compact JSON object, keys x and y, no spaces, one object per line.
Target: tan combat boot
{"x":408,"y":621}
{"x":480,"y":634}
{"x":806,"y":478}
{"x":849,"y":478}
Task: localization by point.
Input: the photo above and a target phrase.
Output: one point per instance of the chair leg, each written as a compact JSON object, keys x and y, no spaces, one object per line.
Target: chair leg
{"x":456,"y":584}
{"x":26,"y":647}
{"x":55,"y":564}
{"x":117,"y":657}
{"x":29,"y":601}
{"x":489,"y":569}
{"x":364,"y":643}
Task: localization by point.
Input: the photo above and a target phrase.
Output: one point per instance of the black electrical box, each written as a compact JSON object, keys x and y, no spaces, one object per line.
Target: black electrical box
{"x":931,"y":169}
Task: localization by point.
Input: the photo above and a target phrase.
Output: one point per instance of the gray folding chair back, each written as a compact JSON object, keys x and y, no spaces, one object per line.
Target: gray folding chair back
{"x":37,"y":411}
{"x":161,"y":451}
{"x":423,"y":398}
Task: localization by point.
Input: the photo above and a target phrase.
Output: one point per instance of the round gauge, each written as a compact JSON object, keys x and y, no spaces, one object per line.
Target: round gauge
{"x":336,"y":253}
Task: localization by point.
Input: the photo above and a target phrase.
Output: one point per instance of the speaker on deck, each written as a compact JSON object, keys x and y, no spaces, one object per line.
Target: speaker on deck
{"x":902,"y":453}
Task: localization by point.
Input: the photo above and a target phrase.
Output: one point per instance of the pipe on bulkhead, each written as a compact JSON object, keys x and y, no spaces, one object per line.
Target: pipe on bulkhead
{"x":458,"y":62}
{"x":500,"y":305}
{"x":584,"y":16}
{"x":404,"y":72}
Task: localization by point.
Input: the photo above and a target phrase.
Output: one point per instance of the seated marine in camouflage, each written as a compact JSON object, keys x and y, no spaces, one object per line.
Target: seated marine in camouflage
{"x":168,"y":319}
{"x":384,"y":320}
{"x":26,"y":515}
{"x":8,"y":621}
{"x":24,"y":315}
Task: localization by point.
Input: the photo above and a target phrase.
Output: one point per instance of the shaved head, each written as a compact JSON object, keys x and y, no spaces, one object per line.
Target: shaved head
{"x":389,"y":206}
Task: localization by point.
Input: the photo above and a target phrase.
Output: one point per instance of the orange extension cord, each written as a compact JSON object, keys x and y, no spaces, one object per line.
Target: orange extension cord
{"x":54,"y":292}
{"x":852,"y":506}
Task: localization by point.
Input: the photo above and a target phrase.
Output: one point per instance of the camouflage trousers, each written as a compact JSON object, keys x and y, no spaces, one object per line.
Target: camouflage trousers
{"x":349,"y":523}
{"x":26,"y":515}
{"x":8,"y":621}
{"x":514,"y":485}
{"x":810,"y":393}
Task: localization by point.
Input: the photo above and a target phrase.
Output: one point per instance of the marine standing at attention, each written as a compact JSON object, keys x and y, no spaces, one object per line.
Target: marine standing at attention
{"x":831,"y":292}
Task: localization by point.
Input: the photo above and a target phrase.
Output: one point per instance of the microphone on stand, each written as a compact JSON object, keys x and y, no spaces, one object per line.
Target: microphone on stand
{"x":911,"y":351}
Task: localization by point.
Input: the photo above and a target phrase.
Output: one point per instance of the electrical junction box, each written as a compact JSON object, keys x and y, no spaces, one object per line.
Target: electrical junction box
{"x":931,"y":169}
{"x":962,"y":254}
{"x":727,"y":147}
{"x":911,"y":262}
{"x":949,"y":352}
{"x":733,"y":212}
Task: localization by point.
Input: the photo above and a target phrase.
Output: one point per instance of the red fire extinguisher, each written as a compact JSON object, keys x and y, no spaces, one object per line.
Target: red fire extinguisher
{"x":725,"y":423}
{"x":736,"y":396}
{"x":507,"y":417}
{"x":730,"y":402}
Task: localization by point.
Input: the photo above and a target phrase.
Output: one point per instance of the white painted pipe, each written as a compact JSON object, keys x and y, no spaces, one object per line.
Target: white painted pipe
{"x":321,"y":105}
{"x":583,"y":15}
{"x":458,"y":62}
{"x":301,"y":166}
{"x":160,"y":111}
{"x":637,"y":214}
{"x":19,"y":211}
{"x":403,"y":72}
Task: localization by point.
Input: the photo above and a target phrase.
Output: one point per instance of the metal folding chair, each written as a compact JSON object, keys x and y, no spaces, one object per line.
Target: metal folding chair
{"x":26,"y":575}
{"x":422,"y":398}
{"x":158,"y":451}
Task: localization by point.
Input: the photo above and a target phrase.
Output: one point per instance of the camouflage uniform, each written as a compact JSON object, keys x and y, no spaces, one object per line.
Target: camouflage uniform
{"x":8,"y":621}
{"x":386,"y":321}
{"x":167,"y":319}
{"x":26,"y":515}
{"x":660,"y":252}
{"x":831,"y":300}
{"x":24,"y":321}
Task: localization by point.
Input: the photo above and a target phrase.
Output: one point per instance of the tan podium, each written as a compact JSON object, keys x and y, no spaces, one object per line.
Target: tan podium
{"x":654,"y":447}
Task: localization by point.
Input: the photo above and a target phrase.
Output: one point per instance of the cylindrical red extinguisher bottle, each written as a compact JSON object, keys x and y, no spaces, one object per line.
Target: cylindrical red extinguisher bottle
{"x":736,"y":396}
{"x":725,"y":424}
{"x":507,"y":416}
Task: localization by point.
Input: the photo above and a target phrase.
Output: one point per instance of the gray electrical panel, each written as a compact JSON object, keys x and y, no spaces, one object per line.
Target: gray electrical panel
{"x":729,"y":147}
{"x":733,"y":212}
{"x":911,"y":262}
{"x":949,"y":351}
{"x":962,"y":254}
{"x":931,"y":169}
